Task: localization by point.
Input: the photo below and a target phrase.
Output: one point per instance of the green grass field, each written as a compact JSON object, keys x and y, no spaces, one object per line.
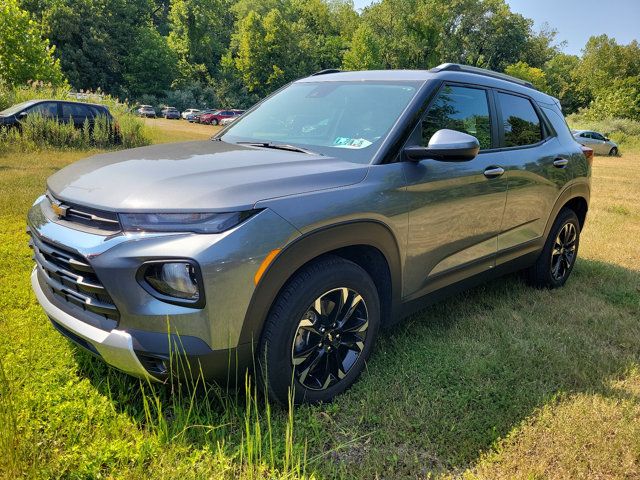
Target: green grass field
{"x":501,"y":382}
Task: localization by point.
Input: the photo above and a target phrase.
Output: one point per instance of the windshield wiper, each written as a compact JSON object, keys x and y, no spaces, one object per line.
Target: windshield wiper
{"x":280,"y":146}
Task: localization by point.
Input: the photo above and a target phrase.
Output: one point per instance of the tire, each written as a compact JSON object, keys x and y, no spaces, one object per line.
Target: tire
{"x":558,"y":257}
{"x":613,"y":152}
{"x":299,"y":329}
{"x":214,"y":121}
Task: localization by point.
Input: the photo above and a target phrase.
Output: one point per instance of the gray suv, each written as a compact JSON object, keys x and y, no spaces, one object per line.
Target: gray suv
{"x":336,"y":206}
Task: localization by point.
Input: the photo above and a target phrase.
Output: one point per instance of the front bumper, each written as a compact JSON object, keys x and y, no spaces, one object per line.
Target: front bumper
{"x":147,"y":331}
{"x":115,"y":347}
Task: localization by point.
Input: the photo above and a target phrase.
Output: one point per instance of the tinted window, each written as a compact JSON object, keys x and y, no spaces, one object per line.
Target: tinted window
{"x":462,"y":109}
{"x":521,"y":122}
{"x":46,"y":109}
{"x":74,"y":110}
{"x":597,"y":136}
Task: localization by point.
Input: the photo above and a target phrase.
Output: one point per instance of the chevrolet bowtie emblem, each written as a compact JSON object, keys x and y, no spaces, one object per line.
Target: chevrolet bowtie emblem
{"x":59,"y":210}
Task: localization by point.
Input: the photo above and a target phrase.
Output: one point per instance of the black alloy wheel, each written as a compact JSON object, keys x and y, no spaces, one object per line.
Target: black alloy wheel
{"x":330,"y":338}
{"x":564,"y":251}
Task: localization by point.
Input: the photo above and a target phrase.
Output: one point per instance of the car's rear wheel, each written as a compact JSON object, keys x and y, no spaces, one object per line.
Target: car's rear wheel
{"x":319,"y":332}
{"x":558,"y":257}
{"x":613,"y":152}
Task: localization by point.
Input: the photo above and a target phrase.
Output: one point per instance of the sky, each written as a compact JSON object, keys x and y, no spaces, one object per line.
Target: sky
{"x":577,"y":20}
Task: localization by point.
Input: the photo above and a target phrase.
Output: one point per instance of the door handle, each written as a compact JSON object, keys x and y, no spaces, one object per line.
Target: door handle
{"x":493,"y":172}
{"x":560,"y":162}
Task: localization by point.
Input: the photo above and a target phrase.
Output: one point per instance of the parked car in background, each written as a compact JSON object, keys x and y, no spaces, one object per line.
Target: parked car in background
{"x":216,"y":117}
{"x":188,"y":112}
{"x":170,"y":113}
{"x":229,"y":120}
{"x":596,"y":141}
{"x":146,"y":111}
{"x":195,"y":117}
{"x":286,"y":245}
{"x":62,"y":110}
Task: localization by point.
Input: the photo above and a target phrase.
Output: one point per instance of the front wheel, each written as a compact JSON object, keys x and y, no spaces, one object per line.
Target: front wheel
{"x":558,"y":257}
{"x":319,"y":332}
{"x":214,"y":121}
{"x":613,"y":152}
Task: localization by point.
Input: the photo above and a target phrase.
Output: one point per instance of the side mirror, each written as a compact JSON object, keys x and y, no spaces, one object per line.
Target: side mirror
{"x":22,"y":115}
{"x":606,"y":139}
{"x":446,"y":146}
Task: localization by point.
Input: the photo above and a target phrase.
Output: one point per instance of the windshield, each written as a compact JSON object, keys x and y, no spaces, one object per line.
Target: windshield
{"x":344,"y":119}
{"x":16,"y":108}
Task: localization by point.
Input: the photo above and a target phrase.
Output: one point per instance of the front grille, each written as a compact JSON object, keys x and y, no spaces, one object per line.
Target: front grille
{"x":71,"y":278}
{"x":105,"y":222}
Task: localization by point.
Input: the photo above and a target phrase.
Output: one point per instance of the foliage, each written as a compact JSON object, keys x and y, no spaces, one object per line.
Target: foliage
{"x":531,"y":74}
{"x":24,"y":54}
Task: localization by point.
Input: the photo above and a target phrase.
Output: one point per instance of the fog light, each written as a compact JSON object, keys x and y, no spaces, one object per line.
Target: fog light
{"x":174,"y":279}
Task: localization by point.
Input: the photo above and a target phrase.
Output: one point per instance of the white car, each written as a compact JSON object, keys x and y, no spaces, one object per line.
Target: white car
{"x":189,"y":111}
{"x":596,"y":142}
{"x":227,"y":121}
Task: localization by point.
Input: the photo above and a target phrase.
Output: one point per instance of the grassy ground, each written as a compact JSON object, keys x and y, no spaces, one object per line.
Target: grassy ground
{"x":501,"y":382}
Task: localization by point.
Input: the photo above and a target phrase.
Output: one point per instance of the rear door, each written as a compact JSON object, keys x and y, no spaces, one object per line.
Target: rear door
{"x":76,"y":113}
{"x":600,"y":144}
{"x":535,"y":162}
{"x":455,"y":207}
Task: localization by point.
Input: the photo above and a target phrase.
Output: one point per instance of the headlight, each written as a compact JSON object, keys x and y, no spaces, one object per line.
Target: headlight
{"x":173,"y":281}
{"x":182,"y":222}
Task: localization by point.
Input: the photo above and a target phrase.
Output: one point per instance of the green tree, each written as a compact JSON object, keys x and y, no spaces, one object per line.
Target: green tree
{"x":150,"y":66}
{"x":200,"y":32}
{"x":562,"y":83}
{"x":24,"y":54}
{"x":531,"y":74}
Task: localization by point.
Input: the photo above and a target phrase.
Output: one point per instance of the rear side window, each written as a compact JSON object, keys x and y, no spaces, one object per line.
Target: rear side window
{"x":459,"y":108}
{"x":74,"y":110}
{"x":522,"y":125}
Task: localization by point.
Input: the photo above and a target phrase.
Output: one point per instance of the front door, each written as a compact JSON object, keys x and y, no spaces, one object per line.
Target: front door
{"x":456,"y":208}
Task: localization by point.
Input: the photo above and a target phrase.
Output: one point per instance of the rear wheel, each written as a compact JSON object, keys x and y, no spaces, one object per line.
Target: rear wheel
{"x":558,"y":257}
{"x":320,"y":332}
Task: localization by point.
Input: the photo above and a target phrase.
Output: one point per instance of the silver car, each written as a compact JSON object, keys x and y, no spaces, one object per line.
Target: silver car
{"x":597,"y":142}
{"x":289,"y":239}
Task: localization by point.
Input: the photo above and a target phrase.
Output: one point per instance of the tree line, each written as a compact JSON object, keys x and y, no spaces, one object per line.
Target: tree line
{"x":233,"y":52}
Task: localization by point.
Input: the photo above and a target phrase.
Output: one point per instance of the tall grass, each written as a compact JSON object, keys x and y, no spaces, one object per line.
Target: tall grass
{"x":37,"y":132}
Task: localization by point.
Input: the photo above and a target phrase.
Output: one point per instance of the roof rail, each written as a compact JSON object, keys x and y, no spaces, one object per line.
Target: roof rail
{"x":324,"y":72}
{"x":456,"y":67}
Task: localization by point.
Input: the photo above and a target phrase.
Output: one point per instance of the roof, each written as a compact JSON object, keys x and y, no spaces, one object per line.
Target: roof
{"x":446,"y":71}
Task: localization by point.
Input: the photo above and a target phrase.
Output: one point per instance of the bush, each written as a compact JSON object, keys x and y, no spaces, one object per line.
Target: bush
{"x":624,"y":132}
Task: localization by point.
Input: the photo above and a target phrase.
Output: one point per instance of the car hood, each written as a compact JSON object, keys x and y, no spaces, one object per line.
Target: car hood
{"x":205,"y":175}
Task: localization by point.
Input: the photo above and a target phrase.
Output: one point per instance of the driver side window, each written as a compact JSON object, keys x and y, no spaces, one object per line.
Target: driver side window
{"x":459,"y":108}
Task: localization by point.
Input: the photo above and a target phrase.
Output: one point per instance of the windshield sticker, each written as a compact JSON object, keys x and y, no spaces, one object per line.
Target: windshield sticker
{"x":346,"y":142}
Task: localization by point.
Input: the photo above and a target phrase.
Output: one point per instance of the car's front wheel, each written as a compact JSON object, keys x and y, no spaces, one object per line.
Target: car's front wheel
{"x":319,"y":332}
{"x":613,"y":152}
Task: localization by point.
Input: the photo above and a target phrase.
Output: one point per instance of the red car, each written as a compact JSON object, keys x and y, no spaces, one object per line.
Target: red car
{"x":214,"y":118}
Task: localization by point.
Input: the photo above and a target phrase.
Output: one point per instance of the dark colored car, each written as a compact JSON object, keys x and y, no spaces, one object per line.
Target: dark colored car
{"x":170,"y":113}
{"x":216,"y":117}
{"x":146,"y":111}
{"x":288,"y":240}
{"x":62,"y":110}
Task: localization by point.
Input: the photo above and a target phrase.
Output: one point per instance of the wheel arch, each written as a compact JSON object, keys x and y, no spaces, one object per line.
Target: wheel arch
{"x":370,"y":244}
{"x":577,"y":198}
